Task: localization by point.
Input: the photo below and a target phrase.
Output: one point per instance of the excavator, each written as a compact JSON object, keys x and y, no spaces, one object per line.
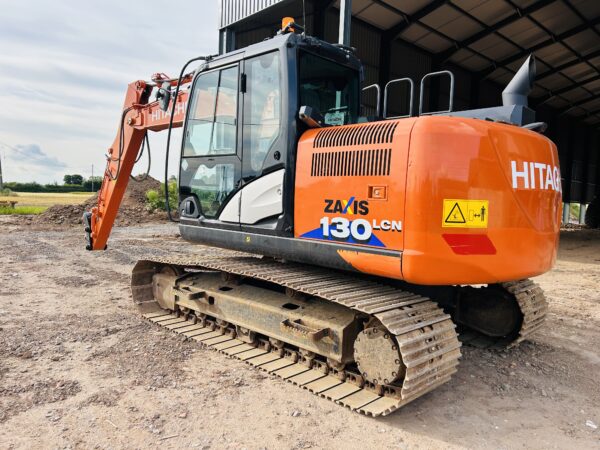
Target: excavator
{"x":350,"y":252}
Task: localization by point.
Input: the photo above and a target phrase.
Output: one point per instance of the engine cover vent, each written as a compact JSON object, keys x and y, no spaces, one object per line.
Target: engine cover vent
{"x":355,"y":163}
{"x":370,"y":134}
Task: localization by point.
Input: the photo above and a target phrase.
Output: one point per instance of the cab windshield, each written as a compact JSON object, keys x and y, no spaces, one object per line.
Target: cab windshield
{"x":330,"y":88}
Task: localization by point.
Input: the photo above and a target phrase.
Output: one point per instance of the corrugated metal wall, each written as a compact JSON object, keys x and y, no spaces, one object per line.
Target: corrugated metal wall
{"x":250,"y":36}
{"x":367,"y":43}
{"x":232,"y":11}
{"x":592,"y":177}
{"x":578,"y":144}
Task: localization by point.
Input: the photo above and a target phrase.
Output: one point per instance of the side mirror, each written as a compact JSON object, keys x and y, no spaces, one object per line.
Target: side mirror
{"x":164,"y":96}
{"x":311,"y":117}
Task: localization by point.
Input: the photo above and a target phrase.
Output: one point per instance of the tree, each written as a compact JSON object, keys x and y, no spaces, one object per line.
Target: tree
{"x":68,"y":179}
{"x":92,"y":183}
{"x":76,"y":179}
{"x":156,"y":199}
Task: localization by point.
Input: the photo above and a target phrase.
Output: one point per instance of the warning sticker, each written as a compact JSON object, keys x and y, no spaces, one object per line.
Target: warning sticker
{"x":465,"y":213}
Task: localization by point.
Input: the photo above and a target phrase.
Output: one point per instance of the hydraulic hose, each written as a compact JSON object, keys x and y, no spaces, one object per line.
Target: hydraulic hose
{"x":145,"y":143}
{"x":121,"y":139}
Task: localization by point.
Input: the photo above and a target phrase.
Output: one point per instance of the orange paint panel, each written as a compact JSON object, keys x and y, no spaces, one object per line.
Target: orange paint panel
{"x":350,"y":187}
{"x":381,"y":265}
{"x":455,"y":158}
{"x":506,"y":178}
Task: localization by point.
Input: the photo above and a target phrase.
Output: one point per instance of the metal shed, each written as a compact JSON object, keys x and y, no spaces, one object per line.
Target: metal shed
{"x":483,"y":42}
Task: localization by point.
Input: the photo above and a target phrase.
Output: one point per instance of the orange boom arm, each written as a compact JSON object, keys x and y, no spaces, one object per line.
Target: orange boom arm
{"x":137,"y":118}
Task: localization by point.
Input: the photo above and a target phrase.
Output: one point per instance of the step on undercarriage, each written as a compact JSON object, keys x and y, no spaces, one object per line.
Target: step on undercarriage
{"x":366,"y":345}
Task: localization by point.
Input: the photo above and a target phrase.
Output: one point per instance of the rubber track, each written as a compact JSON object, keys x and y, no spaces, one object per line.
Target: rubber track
{"x":426,"y":336}
{"x":533,"y":305}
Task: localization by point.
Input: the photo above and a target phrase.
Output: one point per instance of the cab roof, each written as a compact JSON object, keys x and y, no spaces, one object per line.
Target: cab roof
{"x":342,"y":55}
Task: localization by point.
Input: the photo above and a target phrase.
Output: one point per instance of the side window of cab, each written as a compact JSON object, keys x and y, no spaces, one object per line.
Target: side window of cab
{"x":212,"y":121}
{"x":262,"y":110}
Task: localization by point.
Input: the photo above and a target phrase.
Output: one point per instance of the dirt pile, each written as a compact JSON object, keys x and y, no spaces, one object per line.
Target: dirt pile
{"x":133,"y":209}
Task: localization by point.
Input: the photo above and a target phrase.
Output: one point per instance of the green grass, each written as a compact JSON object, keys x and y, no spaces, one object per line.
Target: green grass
{"x":22,"y":210}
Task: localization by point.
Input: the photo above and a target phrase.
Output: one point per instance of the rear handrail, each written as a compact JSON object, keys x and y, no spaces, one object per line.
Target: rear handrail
{"x":451,"y":101}
{"x":378,"y":89}
{"x":411,"y":95}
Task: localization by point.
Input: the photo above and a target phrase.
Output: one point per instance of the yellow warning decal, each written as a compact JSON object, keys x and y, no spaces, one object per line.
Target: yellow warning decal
{"x":465,"y":213}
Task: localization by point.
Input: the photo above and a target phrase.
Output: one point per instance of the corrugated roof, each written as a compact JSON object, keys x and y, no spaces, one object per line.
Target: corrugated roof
{"x":493,"y":37}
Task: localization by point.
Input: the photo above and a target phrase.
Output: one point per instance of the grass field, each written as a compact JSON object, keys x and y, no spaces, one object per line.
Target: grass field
{"x":48,"y":198}
{"x":22,"y":210}
{"x":38,"y":202}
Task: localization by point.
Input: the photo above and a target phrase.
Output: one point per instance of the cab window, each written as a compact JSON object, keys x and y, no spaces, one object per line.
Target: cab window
{"x":330,"y":88}
{"x":212,"y":117}
{"x":262,"y":110}
{"x":211,"y":182}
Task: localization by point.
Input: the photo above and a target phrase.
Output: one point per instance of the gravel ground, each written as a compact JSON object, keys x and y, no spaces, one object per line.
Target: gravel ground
{"x":80,"y":369}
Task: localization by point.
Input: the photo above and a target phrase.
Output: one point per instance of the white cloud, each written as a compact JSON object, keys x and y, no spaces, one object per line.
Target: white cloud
{"x":33,"y":156}
{"x":64,"y":70}
{"x":24,"y":160}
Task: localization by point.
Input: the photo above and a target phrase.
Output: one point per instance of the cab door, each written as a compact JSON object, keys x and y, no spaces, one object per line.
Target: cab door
{"x":211,"y":168}
{"x":264,"y":146}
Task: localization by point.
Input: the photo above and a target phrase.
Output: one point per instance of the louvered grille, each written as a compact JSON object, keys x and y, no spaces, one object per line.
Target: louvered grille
{"x":372,"y":134}
{"x":355,"y":163}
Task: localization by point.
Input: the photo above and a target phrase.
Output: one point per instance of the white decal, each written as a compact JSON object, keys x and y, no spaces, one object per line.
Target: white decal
{"x":535,"y":175}
{"x":359,"y":229}
{"x":159,"y":114}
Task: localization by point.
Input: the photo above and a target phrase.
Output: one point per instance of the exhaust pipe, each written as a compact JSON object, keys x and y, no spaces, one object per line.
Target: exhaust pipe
{"x":520,"y":86}
{"x":514,"y":107}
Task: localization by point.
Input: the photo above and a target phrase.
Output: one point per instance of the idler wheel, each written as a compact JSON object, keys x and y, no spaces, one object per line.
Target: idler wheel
{"x":378,"y":357}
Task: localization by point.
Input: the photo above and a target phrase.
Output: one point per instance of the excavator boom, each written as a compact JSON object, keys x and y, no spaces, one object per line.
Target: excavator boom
{"x":138,"y":117}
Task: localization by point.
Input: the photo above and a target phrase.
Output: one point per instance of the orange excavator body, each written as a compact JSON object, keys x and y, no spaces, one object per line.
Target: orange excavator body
{"x":419,"y":184}
{"x":439,"y":202}
{"x":432,"y":200}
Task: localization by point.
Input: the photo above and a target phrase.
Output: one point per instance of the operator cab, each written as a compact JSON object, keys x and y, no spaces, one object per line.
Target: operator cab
{"x":242,"y":126}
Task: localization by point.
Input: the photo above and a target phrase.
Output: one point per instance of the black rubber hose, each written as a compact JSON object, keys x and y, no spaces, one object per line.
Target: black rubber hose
{"x":121,"y":139}
{"x":199,"y":58}
{"x":145,"y":143}
{"x":143,"y":148}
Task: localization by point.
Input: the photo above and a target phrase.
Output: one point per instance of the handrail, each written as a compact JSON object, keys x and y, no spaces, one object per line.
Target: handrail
{"x":385,"y":97}
{"x":450,"y":103}
{"x":378,"y":88}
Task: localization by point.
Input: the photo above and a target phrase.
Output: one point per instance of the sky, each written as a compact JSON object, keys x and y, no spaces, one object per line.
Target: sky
{"x":64,"y":70}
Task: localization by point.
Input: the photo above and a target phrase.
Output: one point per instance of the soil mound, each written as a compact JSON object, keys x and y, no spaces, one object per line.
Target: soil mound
{"x":132,"y":211}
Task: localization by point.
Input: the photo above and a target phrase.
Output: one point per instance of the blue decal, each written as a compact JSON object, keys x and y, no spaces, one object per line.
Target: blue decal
{"x":317,"y":233}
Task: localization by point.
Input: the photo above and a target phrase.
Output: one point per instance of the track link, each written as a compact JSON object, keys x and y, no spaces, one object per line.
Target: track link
{"x":426,"y":336}
{"x":533,"y":305}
